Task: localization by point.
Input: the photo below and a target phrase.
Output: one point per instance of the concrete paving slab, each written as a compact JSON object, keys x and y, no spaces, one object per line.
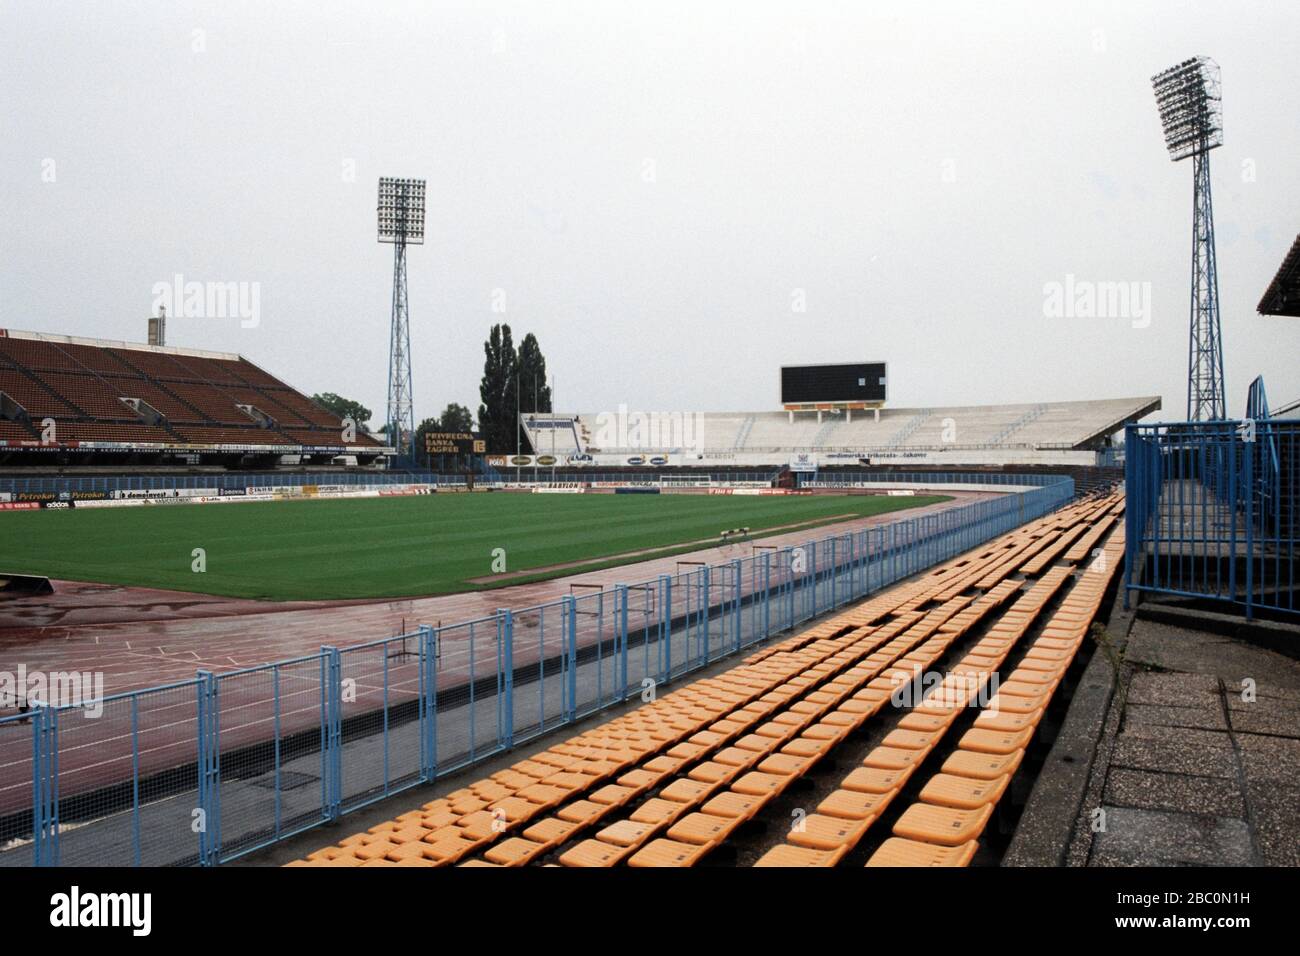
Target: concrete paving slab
{"x":1267,"y":760}
{"x":1175,"y":753}
{"x":1145,"y":790}
{"x":1208,"y":717}
{"x":1163,"y":839}
{"x":1173,"y":690}
{"x":1262,"y":690}
{"x":1266,"y":716}
{"x":1276,"y":812}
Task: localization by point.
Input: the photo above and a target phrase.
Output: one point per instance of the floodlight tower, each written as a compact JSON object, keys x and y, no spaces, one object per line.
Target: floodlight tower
{"x":401,"y":222}
{"x":1189,"y":99}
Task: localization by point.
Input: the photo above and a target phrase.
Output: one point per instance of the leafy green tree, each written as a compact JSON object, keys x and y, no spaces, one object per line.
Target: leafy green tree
{"x":496,"y":413}
{"x":534,"y":393}
{"x":343,"y":408}
{"x":456,"y":418}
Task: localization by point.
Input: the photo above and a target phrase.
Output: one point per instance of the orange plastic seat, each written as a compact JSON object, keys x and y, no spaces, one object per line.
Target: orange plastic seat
{"x":658,"y":811}
{"x":684,"y":790}
{"x":854,"y":805}
{"x":946,"y":826}
{"x":899,"y":852}
{"x":964,"y":793}
{"x":910,"y":740}
{"x":703,"y":828}
{"x":818,"y":831}
{"x":582,"y":812}
{"x":893,"y":758}
{"x":626,"y":832}
{"x":732,"y":804}
{"x":995,"y":741}
{"x":514,"y":851}
{"x":669,"y":853}
{"x":784,"y":764}
{"x":786,"y":854}
{"x":755,"y":782}
{"x":594,"y":853}
{"x":1005,"y":720}
{"x":550,"y":831}
{"x":875,"y":779}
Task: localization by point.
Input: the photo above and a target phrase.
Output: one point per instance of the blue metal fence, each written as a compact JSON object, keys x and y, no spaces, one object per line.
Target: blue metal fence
{"x":207,"y":770}
{"x":1212,"y":511}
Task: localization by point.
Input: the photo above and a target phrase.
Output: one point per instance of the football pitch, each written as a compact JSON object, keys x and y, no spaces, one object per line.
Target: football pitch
{"x":395,"y":547}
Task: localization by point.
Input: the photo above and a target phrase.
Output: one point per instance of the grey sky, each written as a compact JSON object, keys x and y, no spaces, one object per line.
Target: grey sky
{"x":652,"y":186}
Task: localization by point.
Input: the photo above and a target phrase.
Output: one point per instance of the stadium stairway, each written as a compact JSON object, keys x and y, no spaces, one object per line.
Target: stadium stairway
{"x":675,"y":779}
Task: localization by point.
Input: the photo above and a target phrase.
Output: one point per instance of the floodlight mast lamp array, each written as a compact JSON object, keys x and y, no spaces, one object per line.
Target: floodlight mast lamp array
{"x":401,"y":223}
{"x":1190,"y":102}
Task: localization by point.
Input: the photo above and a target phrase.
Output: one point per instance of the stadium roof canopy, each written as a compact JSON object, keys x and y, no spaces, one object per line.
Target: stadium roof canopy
{"x":1283,"y":294}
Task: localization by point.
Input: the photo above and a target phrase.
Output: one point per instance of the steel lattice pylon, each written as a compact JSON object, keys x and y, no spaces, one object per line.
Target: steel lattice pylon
{"x":401,"y":411}
{"x":1189,"y":98}
{"x":401,"y":222}
{"x":1205,"y":344}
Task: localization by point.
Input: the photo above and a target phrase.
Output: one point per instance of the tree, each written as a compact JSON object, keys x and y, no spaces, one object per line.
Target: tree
{"x":343,"y":408}
{"x":456,"y":418}
{"x":496,"y":414}
{"x":534,"y":393}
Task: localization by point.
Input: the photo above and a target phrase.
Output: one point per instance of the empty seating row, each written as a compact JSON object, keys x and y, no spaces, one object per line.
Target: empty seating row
{"x":15,"y":431}
{"x":111,"y":431}
{"x":35,"y":398}
{"x":160,"y":365}
{"x":302,"y":407}
{"x":219,"y":404}
{"x":36,"y":354}
{"x":88,"y":392}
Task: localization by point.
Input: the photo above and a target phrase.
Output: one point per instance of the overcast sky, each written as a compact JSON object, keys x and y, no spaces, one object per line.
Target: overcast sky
{"x":676,"y":198}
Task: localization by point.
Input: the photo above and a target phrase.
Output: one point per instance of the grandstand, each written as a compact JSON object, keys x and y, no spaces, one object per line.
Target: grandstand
{"x":110,"y":401}
{"x":1051,"y":433}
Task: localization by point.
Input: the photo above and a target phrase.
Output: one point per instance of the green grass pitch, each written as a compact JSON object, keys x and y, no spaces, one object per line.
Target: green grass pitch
{"x":391,"y":547}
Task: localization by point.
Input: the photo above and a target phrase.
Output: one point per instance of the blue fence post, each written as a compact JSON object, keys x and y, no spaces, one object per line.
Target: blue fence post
{"x":812,"y":576}
{"x":38,"y":789}
{"x":333,"y":762}
{"x":505,"y":678}
{"x":1132,"y":462}
{"x":1249,"y":493}
{"x":788,"y":560}
{"x":767,"y":594}
{"x":571,"y":654}
{"x":666,"y":629}
{"x":135,"y":779}
{"x":734,"y":601}
{"x":45,"y":784}
{"x":428,"y":705}
{"x":706,"y":607}
{"x":620,"y":638}
{"x":831,"y":573}
{"x":209,"y":747}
